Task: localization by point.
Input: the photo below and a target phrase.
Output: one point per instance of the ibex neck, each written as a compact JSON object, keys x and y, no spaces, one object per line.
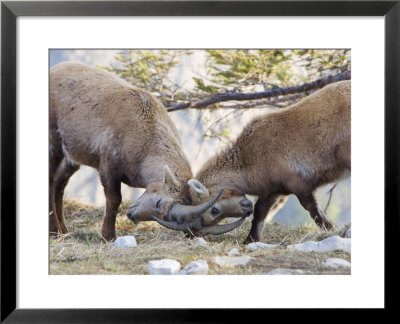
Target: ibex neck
{"x":163,"y":147}
{"x":224,"y":170}
{"x":152,"y":168}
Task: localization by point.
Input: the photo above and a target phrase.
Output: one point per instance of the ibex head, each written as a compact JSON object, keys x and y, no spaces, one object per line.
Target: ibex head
{"x":162,"y":202}
{"x":231,"y":203}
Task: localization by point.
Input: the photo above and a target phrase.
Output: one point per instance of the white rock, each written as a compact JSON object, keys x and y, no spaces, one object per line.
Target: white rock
{"x":199,"y":241}
{"x":329,"y":244}
{"x":233,"y":252}
{"x":230,"y":262}
{"x":125,"y":242}
{"x":199,"y":267}
{"x":280,"y":271}
{"x":335,"y":263}
{"x":348,"y":233}
{"x":163,"y":267}
{"x":259,"y":245}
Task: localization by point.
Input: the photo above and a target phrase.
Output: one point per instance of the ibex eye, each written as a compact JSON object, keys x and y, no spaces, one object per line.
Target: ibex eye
{"x":214,"y":211}
{"x":158,"y":204}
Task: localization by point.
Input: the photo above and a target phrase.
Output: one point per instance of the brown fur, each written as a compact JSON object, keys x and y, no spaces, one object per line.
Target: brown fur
{"x":293,"y":151}
{"x":96,"y":119}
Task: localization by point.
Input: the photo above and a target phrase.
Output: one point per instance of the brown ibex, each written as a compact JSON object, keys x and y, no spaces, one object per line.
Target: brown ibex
{"x":96,"y":119}
{"x":293,"y":151}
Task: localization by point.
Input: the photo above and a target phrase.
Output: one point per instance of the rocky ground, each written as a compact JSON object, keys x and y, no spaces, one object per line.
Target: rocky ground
{"x":147,"y":248}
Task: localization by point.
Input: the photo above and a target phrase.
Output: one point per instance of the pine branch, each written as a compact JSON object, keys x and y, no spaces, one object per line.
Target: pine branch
{"x":275,"y":92}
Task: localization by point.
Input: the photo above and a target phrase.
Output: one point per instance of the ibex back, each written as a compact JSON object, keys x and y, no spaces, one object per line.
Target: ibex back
{"x":293,"y":151}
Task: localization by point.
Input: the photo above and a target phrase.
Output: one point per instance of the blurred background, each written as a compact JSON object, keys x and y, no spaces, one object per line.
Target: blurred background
{"x":179,"y":76}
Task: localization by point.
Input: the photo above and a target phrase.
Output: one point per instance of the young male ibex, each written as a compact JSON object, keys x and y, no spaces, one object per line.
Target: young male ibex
{"x":96,"y":119}
{"x":293,"y":151}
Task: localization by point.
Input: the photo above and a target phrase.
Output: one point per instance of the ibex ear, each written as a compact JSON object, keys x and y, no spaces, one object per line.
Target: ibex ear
{"x":169,"y":178}
{"x":198,"y":189}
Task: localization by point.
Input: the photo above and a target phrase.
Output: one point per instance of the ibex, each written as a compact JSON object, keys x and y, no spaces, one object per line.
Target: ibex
{"x":99,"y":120}
{"x":293,"y":151}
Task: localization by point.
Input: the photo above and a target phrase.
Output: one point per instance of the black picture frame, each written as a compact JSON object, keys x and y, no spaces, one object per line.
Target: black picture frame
{"x":10,"y":10}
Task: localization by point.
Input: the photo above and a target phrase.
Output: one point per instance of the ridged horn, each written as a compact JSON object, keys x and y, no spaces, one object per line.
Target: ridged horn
{"x":184,"y":213}
{"x":191,"y":227}
{"x":220,"y":229}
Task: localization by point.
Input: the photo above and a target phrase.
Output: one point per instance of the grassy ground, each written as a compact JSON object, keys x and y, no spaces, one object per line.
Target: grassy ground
{"x":83,"y":251}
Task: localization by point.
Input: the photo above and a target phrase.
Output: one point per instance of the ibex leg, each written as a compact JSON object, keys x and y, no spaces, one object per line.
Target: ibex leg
{"x":111,"y":182}
{"x":55,"y":157}
{"x":265,"y":208}
{"x":64,"y":172}
{"x":309,"y":202}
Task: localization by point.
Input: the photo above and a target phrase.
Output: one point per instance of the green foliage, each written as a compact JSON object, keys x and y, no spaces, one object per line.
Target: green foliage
{"x":321,"y":63}
{"x":246,"y":67}
{"x":258,"y":70}
{"x":149,"y":70}
{"x":241,"y":70}
{"x":200,"y":85}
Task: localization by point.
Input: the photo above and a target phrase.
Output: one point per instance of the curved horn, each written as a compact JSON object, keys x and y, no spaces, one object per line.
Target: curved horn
{"x":213,"y":219}
{"x":196,"y":226}
{"x":182,"y":213}
{"x":186,"y":227}
{"x":220,"y":229}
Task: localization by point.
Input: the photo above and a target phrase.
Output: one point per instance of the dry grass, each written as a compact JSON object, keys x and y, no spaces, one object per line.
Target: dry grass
{"x":83,"y":251}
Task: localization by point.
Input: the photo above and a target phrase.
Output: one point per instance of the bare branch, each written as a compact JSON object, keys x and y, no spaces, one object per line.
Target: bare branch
{"x":330,"y":196}
{"x":274,"y":102}
{"x":275,"y":92}
{"x":211,"y":127}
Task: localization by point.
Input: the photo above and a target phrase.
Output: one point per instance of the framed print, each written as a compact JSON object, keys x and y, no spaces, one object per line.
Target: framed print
{"x":358,"y":40}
